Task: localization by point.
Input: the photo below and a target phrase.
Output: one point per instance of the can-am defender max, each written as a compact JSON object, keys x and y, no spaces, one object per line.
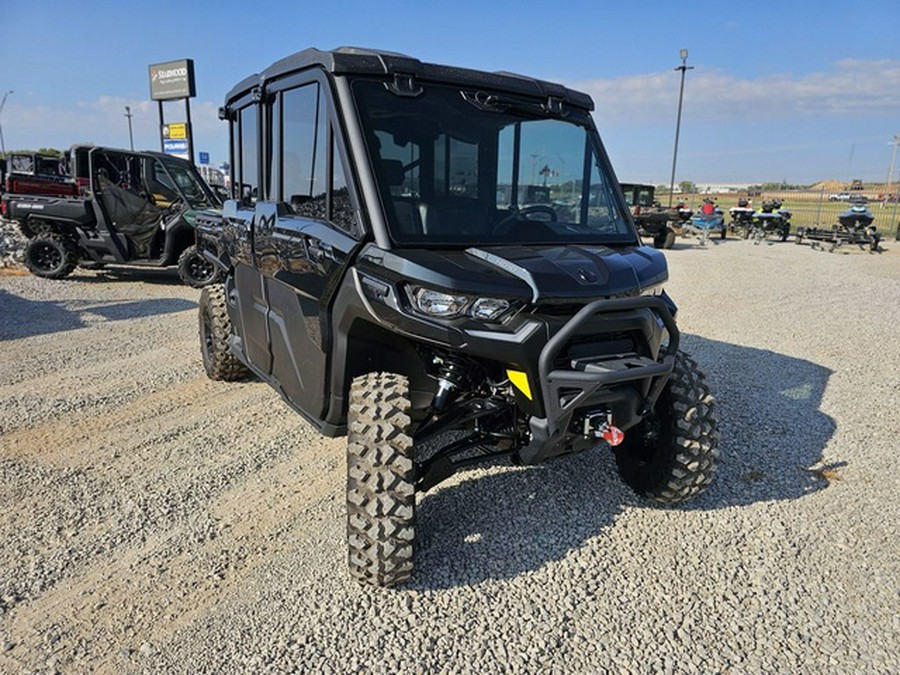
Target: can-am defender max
{"x":385,"y":272}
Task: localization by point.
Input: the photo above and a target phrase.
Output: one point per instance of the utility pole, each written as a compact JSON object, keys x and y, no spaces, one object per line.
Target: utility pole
{"x":890,"y":176}
{"x":130,"y":133}
{"x":683,"y":67}
{"x":3,"y":103}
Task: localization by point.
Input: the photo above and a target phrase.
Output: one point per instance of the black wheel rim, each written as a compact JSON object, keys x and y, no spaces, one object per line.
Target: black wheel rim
{"x":199,"y":269}
{"x":46,"y":257}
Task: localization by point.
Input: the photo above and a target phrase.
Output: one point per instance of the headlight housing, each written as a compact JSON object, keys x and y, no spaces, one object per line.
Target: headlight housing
{"x":437,"y":304}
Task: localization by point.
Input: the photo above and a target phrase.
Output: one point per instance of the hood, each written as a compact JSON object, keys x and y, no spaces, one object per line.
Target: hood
{"x":532,"y":273}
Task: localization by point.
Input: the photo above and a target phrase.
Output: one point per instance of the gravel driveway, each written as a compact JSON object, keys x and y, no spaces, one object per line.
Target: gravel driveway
{"x":154,"y":521}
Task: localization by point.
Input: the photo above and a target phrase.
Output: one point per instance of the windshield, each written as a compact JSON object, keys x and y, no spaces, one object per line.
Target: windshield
{"x":187,"y":182}
{"x":465,"y":167}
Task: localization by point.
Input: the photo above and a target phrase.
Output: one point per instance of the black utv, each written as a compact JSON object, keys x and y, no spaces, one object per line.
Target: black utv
{"x":121,"y":207}
{"x":652,"y":218}
{"x":389,"y":270}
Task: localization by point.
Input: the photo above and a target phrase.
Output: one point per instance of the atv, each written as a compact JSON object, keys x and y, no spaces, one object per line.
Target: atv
{"x":120,"y":207}
{"x":392,"y":272}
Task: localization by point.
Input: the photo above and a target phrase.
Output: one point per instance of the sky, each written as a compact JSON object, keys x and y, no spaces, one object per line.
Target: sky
{"x":793,"y":91}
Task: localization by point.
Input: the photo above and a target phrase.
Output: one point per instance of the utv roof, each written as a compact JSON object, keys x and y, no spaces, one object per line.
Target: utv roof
{"x":360,"y":61}
{"x":125,"y":151}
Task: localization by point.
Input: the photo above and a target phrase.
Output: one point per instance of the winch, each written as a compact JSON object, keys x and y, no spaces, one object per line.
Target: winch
{"x":600,"y":425}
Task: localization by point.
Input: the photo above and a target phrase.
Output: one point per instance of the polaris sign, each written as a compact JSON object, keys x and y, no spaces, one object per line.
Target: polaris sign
{"x":177,"y":148}
{"x":172,"y":80}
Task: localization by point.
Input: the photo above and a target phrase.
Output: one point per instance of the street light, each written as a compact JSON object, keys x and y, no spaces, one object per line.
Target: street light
{"x":683,"y":67}
{"x":890,"y":176}
{"x":130,"y":134}
{"x":3,"y":103}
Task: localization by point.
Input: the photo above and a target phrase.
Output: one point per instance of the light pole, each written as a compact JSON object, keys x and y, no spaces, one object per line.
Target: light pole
{"x":683,"y":67}
{"x":890,"y":176}
{"x":130,"y":134}
{"x":3,"y":103}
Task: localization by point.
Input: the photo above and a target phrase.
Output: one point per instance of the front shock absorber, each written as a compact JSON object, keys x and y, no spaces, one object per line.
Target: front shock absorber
{"x":453,"y":374}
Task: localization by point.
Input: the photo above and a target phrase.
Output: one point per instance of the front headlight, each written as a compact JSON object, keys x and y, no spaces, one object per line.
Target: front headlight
{"x":436,"y":303}
{"x":488,"y":309}
{"x":442,"y":305}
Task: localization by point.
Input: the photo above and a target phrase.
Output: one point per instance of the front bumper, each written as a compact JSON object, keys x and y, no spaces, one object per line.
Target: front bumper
{"x":627,"y":384}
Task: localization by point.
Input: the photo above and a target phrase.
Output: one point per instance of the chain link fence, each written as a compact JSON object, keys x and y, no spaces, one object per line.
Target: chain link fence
{"x":814,"y":208}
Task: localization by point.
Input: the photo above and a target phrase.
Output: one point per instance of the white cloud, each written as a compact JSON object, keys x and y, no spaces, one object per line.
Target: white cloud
{"x":103,"y":122}
{"x":851,"y":88}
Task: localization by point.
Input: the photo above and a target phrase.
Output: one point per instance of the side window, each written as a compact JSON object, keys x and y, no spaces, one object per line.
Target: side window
{"x":304,"y":151}
{"x":273,"y":165}
{"x":601,"y":214}
{"x":645,"y":198}
{"x":248,"y":170}
{"x":341,"y":207}
{"x":303,"y":148}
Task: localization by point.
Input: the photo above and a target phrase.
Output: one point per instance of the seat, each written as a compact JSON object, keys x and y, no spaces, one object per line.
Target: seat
{"x":406,"y":209}
{"x":454,"y":215}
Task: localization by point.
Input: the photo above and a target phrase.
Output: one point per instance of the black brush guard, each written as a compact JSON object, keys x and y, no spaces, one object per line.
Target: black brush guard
{"x":593,"y":375}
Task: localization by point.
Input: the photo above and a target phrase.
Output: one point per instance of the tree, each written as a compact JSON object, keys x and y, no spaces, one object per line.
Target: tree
{"x":687,"y":187}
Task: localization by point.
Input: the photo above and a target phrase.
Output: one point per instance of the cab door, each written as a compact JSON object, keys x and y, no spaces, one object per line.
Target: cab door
{"x":302,"y":242}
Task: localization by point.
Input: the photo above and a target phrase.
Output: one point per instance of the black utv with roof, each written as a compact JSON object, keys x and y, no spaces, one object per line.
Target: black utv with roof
{"x":389,"y":270}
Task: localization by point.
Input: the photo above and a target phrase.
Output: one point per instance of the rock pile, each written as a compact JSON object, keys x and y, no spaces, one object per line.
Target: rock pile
{"x":12,"y":244}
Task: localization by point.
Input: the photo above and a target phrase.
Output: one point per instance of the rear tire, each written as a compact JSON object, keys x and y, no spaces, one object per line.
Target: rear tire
{"x":671,"y":456}
{"x":381,"y":492}
{"x":215,"y":334}
{"x":50,"y":255}
{"x":670,"y":239}
{"x":195,"y":270}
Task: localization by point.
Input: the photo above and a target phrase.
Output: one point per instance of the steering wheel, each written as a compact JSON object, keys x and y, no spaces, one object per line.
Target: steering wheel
{"x":516,"y":214}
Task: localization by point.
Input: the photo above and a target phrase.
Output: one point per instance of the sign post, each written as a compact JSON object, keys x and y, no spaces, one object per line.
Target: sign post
{"x":171,"y":81}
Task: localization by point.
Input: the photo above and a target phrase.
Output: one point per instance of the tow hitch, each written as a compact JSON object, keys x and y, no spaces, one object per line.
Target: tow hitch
{"x":600,"y":425}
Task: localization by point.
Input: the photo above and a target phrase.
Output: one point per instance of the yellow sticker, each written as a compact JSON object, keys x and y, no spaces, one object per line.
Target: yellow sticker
{"x":520,"y":381}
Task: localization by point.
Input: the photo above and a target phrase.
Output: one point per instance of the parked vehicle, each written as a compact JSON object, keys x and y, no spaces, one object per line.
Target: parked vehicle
{"x":136,"y":208}
{"x":855,"y":227}
{"x":34,"y":173}
{"x":706,"y":221}
{"x":741,"y":218}
{"x":651,"y":218}
{"x":771,"y":219}
{"x":385,"y":273}
{"x":857,"y":216}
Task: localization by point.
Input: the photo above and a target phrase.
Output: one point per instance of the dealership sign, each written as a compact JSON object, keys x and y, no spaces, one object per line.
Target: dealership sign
{"x":172,"y":80}
{"x":178,"y":148}
{"x":175,"y":130}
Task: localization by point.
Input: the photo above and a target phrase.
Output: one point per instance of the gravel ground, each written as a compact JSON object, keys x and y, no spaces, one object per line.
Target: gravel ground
{"x":155,"y":521}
